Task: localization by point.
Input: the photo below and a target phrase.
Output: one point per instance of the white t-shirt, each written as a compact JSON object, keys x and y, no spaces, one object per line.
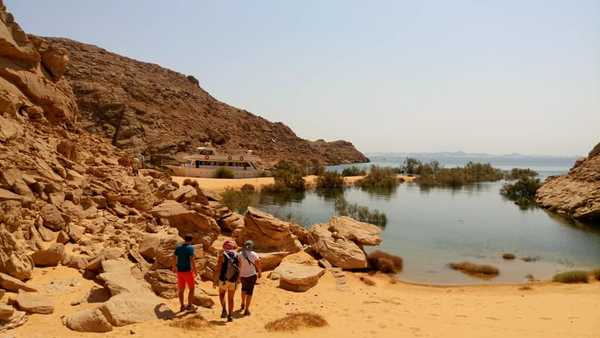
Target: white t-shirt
{"x":247,"y":269}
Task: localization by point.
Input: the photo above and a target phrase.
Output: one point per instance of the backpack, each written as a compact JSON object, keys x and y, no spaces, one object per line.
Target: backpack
{"x":232,"y":267}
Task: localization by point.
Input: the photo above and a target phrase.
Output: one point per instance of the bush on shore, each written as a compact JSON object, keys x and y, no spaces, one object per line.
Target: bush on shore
{"x":353,"y":171}
{"x":385,"y":262}
{"x":224,"y":173}
{"x":522,"y":192}
{"x":379,"y":178}
{"x":432,"y":175}
{"x":330,"y":180}
{"x":360,"y":213}
{"x":570,"y":277}
{"x":596,"y":274}
{"x":518,"y":173}
{"x":288,"y":177}
{"x":239,"y":200}
{"x":477,"y":270}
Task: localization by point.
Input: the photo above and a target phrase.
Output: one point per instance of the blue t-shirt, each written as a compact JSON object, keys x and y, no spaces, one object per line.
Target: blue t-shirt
{"x":184,"y":253}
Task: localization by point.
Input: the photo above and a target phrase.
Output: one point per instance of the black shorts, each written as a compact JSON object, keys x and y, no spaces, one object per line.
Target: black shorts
{"x":248,"y":284}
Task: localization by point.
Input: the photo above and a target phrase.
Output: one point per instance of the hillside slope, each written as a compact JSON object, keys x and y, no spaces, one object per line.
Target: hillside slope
{"x":576,"y":194}
{"x":150,"y":110}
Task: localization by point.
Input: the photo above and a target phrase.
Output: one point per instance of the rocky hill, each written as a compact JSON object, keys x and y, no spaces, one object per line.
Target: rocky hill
{"x":146,"y":109}
{"x":576,"y":194}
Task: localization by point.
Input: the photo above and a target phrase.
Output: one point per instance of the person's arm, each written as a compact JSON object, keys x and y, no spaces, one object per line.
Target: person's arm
{"x":217,"y":270}
{"x":174,"y":264}
{"x":258,"y":267}
{"x":193,"y":261}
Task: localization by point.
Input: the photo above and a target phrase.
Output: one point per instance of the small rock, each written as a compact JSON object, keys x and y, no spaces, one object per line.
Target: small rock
{"x":33,"y":302}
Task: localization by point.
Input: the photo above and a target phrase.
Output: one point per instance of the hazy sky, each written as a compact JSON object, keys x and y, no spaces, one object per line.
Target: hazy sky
{"x":479,"y":76}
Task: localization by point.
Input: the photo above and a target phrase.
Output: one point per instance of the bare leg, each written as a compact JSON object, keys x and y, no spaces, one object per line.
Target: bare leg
{"x":247,"y":305}
{"x":243,"y":304}
{"x":191,"y":296}
{"x":180,"y":293}
{"x":230,"y":295}
{"x":222,"y":300}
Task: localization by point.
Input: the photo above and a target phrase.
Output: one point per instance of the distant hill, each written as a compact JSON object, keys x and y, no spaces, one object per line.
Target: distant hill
{"x":146,"y":109}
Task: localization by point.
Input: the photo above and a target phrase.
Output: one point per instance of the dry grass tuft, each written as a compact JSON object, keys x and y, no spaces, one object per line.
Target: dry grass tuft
{"x":570,"y":277}
{"x":193,"y":323}
{"x":508,"y":256}
{"x":368,"y":281}
{"x":296,"y":321}
{"x":385,"y":262}
{"x":596,"y":274}
{"x":525,"y":288}
{"x":477,"y":270}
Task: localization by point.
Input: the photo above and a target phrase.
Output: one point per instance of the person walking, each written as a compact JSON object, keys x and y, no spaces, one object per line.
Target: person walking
{"x":185,"y":268}
{"x":227,"y":274}
{"x":250,"y":272}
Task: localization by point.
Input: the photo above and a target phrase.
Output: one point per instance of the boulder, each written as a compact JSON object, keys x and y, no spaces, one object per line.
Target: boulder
{"x":17,"y":319}
{"x":12,"y":284}
{"x":53,"y":219}
{"x":268,"y":232}
{"x":159,"y":248}
{"x":118,"y":278}
{"x":204,"y":229}
{"x":6,"y":195}
{"x":50,"y":256}
{"x":89,"y":320}
{"x":300,"y":257}
{"x":9,"y":129}
{"x":298,"y":277}
{"x":201,"y":298}
{"x":232,"y":222}
{"x":6,"y":312}
{"x":131,"y":308}
{"x":359,"y":232}
{"x":271,"y":260}
{"x":163,"y":282}
{"x":95,"y":265}
{"x":33,"y":302}
{"x":339,"y":252}
{"x":13,"y":258}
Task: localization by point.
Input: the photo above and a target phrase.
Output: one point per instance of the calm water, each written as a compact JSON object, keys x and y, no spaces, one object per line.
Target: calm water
{"x":431,"y":228}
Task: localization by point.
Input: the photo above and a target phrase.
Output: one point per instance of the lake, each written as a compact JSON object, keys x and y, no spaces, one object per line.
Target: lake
{"x":431,"y":228}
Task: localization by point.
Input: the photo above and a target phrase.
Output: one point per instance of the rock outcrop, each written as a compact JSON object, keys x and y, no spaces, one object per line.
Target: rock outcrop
{"x":268,"y":232}
{"x":298,"y":277}
{"x":576,"y":194}
{"x":150,"y":110}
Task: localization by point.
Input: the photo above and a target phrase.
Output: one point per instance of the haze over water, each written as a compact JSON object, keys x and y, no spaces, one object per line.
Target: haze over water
{"x":431,"y":228}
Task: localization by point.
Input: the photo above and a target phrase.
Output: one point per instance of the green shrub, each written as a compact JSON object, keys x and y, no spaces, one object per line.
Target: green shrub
{"x":360,"y":213}
{"x":477,"y":270}
{"x":239,"y":201}
{"x":330,"y":180}
{"x":288,"y":176}
{"x":247,"y":188}
{"x":432,"y":175}
{"x":353,"y":171}
{"x":522,"y":192}
{"x":224,"y":173}
{"x":518,"y":173}
{"x":379,"y":178}
{"x":569,"y":277}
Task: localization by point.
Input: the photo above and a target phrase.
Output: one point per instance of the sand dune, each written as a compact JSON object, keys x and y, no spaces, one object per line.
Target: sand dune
{"x":385,"y":310}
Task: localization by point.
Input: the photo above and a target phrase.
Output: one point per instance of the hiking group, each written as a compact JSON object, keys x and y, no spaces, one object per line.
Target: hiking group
{"x":233,"y":267}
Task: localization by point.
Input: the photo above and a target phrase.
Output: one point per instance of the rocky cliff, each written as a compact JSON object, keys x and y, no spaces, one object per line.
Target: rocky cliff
{"x":146,"y":109}
{"x":576,"y":194}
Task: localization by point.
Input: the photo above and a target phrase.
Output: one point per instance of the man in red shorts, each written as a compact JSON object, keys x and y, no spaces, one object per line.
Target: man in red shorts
{"x":185,"y":268}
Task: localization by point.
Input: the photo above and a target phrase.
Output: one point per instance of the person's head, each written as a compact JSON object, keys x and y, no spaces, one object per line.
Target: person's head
{"x":188,"y":238}
{"x":249,"y":245}
{"x":229,"y":245}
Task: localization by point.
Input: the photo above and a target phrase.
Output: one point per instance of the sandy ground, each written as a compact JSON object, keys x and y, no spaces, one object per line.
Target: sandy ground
{"x":384,"y":310}
{"x":219,"y":184}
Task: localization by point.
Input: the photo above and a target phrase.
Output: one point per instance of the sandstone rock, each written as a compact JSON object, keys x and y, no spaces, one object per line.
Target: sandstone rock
{"x":271,"y":260}
{"x":204,"y":229}
{"x":201,"y":298}
{"x":300,"y":257}
{"x":118,"y":279}
{"x":129,"y":308}
{"x":9,"y":129}
{"x":232,"y":222}
{"x":160,"y":248}
{"x":52,"y":217}
{"x":298,"y":277}
{"x":6,"y":195}
{"x":75,"y":261}
{"x":576,"y":194}
{"x":13,"y":258}
{"x":46,"y":234}
{"x":33,"y":302}
{"x":359,"y":232}
{"x":339,"y":252}
{"x":6,"y":312}
{"x":55,"y":61}
{"x":268,"y":232}
{"x":163,"y":282}
{"x":89,"y":320}
{"x":95,"y":264}
{"x":17,"y":319}
{"x":12,"y":284}
{"x":50,"y":256}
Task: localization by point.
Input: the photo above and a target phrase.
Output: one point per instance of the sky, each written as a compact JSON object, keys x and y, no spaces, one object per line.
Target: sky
{"x":408,"y":76}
